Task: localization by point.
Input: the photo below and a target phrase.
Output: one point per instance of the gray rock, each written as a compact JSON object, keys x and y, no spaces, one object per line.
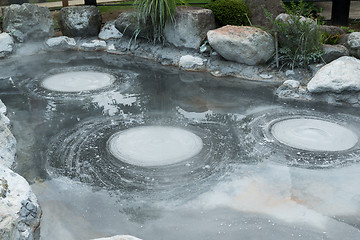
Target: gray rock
{"x":93,"y":45}
{"x":248,"y":45}
{"x":332,"y":52}
{"x":6,"y":45}
{"x":28,"y":22}
{"x":189,"y":62}
{"x":20,"y":211}
{"x":190,"y":27}
{"x":80,"y":21}
{"x":258,"y":15}
{"x":61,"y":43}
{"x":331,"y":30}
{"x":126,"y":23}
{"x":354,"y":40}
{"x":286,"y":18}
{"x":342,"y":74}
{"x":109,"y":31}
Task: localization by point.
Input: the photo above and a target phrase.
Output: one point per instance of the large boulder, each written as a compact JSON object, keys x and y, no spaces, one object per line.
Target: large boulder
{"x":127,"y":24}
{"x":6,"y":44}
{"x":19,"y":208}
{"x":28,"y":22}
{"x":342,"y":74}
{"x":80,"y":21}
{"x":258,"y":15}
{"x":248,"y":45}
{"x":190,"y":27}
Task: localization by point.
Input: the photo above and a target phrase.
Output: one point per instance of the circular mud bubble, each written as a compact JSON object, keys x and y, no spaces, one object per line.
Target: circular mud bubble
{"x":313,"y":134}
{"x":300,"y":138}
{"x":145,"y":157}
{"x":154,"y":145}
{"x":77,"y":81}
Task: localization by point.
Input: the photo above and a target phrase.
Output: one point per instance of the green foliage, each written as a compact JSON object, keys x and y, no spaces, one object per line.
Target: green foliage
{"x":330,"y":39}
{"x":306,"y":9}
{"x":299,"y":38}
{"x":153,"y":14}
{"x":230,"y":12}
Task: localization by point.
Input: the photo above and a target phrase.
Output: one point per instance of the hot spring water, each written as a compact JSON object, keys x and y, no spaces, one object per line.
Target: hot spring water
{"x":119,"y":145}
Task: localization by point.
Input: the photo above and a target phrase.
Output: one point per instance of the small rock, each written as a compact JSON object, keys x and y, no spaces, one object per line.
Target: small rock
{"x":354,"y":40}
{"x":93,"y":45}
{"x":189,"y":62}
{"x":109,"y":31}
{"x":292,"y":84}
{"x":289,"y":72}
{"x":61,"y":43}
{"x":6,"y":45}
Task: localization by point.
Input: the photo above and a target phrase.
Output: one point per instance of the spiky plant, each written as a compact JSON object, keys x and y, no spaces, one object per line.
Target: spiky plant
{"x":153,"y":15}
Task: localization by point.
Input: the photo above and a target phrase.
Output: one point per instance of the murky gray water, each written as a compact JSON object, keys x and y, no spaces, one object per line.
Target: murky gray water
{"x":242,"y":184}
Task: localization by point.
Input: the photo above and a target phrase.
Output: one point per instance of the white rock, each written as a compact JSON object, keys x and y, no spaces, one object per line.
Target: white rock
{"x":6,"y":44}
{"x":61,"y":43}
{"x":119,"y":237}
{"x":340,"y":75}
{"x":7,"y":140}
{"x":93,"y":45}
{"x":189,"y":62}
{"x":248,"y":45}
{"x":354,"y":40}
{"x":286,"y":18}
{"x":109,"y":31}
{"x":20,"y":211}
{"x":292,"y":84}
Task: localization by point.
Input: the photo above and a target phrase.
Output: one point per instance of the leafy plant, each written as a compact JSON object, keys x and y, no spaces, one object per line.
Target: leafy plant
{"x":330,"y":39}
{"x":306,"y":9}
{"x":299,"y":38}
{"x":152,"y":15}
{"x":230,"y":12}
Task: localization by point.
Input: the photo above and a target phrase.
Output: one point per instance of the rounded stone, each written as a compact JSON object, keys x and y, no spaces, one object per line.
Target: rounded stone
{"x":77,"y":81}
{"x":154,"y":145}
{"x":314,"y":135}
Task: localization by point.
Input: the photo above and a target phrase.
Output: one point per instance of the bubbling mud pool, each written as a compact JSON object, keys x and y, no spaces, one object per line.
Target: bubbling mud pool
{"x":119,"y":145}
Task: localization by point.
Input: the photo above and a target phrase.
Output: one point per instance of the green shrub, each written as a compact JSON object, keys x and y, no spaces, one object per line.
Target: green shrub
{"x":230,"y":12}
{"x":306,"y":9}
{"x":300,"y":41}
{"x":155,"y":13}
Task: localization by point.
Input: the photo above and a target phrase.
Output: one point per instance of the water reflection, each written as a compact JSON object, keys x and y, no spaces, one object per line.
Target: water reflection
{"x":240,"y":184}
